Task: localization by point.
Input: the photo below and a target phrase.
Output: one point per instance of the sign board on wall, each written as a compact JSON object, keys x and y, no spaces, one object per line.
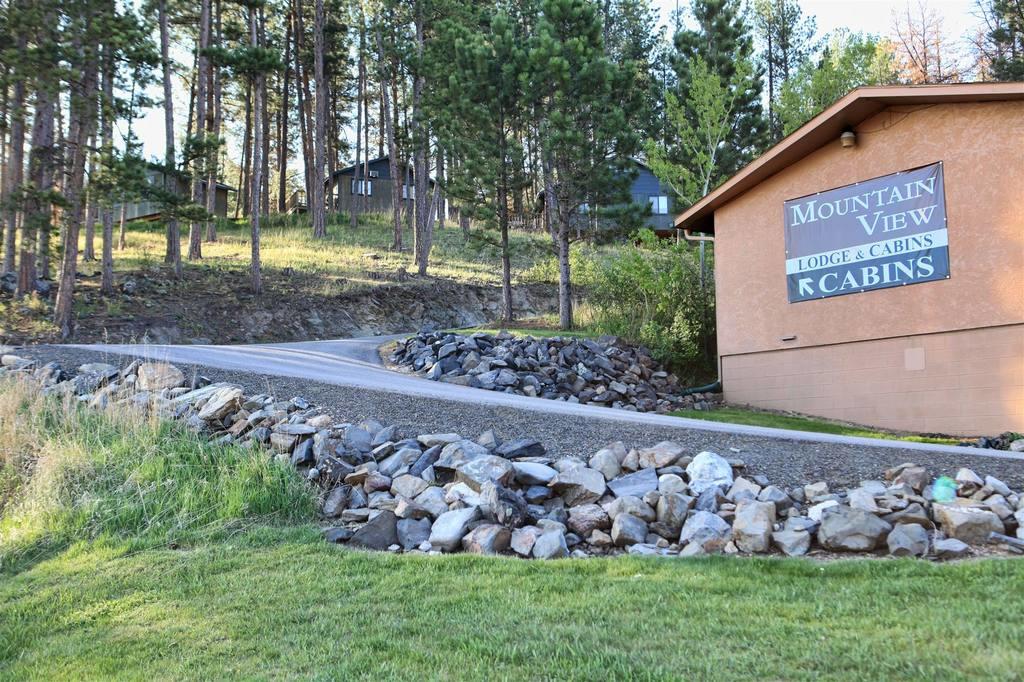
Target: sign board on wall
{"x":884,"y":232}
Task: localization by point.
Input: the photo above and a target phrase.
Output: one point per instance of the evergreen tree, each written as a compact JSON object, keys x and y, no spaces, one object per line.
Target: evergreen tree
{"x":787,"y":41}
{"x":721,"y":38}
{"x":585,"y":128}
{"x":479,"y":64}
{"x":848,"y":61}
{"x":1003,"y":45}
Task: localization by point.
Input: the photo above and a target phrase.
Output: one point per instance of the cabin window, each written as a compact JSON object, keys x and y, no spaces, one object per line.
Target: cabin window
{"x":659,"y":205}
{"x":584,"y":208}
{"x":362,"y":187}
{"x":408,"y":191}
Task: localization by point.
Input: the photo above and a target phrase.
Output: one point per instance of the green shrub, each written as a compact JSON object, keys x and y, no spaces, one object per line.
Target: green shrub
{"x":73,"y":473}
{"x":650,"y":292}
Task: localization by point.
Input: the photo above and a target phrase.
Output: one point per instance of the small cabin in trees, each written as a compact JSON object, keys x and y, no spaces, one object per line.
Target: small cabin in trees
{"x":650,"y":204}
{"x":144,"y":208}
{"x":348,"y":184}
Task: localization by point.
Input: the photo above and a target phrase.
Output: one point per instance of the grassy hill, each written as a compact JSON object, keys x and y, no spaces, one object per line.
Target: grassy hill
{"x":300,"y":273}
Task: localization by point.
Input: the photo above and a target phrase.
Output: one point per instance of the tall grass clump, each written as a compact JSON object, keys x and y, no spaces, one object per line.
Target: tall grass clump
{"x":70,"y":473}
{"x":650,"y":292}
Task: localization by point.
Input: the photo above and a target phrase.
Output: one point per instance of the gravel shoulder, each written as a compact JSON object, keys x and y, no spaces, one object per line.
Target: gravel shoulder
{"x":784,"y":461}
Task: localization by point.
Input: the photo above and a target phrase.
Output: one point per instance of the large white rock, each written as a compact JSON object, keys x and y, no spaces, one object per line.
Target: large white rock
{"x":579,"y":486}
{"x":448,"y":530}
{"x":969,"y":524}
{"x":156,"y":376}
{"x":710,"y":532}
{"x":221,"y":403}
{"x":708,"y":470}
{"x":753,"y":525}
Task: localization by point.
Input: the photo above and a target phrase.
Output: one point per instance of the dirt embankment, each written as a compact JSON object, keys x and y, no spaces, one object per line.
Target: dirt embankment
{"x":213,"y":305}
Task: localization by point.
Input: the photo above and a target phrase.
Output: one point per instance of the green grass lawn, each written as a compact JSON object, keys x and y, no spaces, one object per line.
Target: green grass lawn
{"x":274,"y":603}
{"x":131,"y":549}
{"x":751,"y":417}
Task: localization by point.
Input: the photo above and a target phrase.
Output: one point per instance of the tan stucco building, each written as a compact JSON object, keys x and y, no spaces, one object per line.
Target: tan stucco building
{"x":934,"y":355}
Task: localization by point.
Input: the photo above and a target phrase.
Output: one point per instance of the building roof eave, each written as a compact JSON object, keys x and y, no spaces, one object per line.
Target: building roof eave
{"x":847,"y":112}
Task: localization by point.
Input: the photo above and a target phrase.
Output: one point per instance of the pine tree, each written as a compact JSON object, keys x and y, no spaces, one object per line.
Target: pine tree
{"x":480,"y":67}
{"x":584,"y":130}
{"x":1003,"y":44}
{"x":787,"y":40}
{"x":722,"y":39}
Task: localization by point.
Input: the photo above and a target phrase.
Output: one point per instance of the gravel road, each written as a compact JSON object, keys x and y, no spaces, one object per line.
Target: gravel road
{"x":418,"y":410}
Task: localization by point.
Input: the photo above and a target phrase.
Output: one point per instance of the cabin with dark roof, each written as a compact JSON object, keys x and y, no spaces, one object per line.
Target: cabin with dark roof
{"x":348,"y":184}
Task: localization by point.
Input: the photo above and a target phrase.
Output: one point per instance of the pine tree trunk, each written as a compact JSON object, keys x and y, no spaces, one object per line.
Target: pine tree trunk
{"x":316,"y":204}
{"x":282,"y":140}
{"x":242,"y":203}
{"x":107,"y":138}
{"x":81,"y":125}
{"x":442,"y":211}
{"x":564,"y":283}
{"x":89,"y":253}
{"x":37,"y":209}
{"x":256,"y":278}
{"x":16,"y":167}
{"x":357,"y":175}
{"x":502,"y":196}
{"x":421,"y":144}
{"x":195,"y":231}
{"x":173,"y":255}
{"x":389,"y":134}
{"x":213,"y":160}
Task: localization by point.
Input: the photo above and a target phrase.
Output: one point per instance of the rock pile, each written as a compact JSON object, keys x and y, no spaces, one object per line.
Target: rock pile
{"x":440,"y":492}
{"x":603,"y":372}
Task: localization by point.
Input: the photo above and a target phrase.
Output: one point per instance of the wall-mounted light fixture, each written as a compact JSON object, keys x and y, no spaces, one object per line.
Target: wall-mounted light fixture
{"x":848,"y":139}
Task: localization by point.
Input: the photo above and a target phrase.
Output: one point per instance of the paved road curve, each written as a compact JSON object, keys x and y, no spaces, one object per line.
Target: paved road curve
{"x":356,"y":363}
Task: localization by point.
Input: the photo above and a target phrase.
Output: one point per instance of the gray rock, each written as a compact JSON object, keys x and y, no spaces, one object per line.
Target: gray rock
{"x":851,"y":530}
{"x":661,"y":455}
{"x":432,"y":499}
{"x":708,"y":531}
{"x":951,"y":548}
{"x":631,"y":504}
{"x":450,"y":527}
{"x":459,"y":452}
{"x":969,"y":524}
{"x":487,"y":539}
{"x":533,"y":473}
{"x":521,"y":447}
{"x":708,"y":470}
{"x":413,"y":532}
{"x":908,"y":539}
{"x":998,"y":486}
{"x":334,"y":535}
{"x":432,"y":439}
{"x":628,"y":530}
{"x":336,"y":501}
{"x":408,"y":486}
{"x":579,"y":486}
{"x":523,"y":540}
{"x":753,"y":525}
{"x":792,"y":542}
{"x":671,"y":483}
{"x":550,"y":545}
{"x":672,"y":510}
{"x":223,"y":401}
{"x":426,"y":459}
{"x":585,"y":518}
{"x":379,"y":533}
{"x":635,"y":485}
{"x":156,"y":376}
{"x":605,"y":461}
{"x":484,"y":469}
{"x":507,"y":506}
